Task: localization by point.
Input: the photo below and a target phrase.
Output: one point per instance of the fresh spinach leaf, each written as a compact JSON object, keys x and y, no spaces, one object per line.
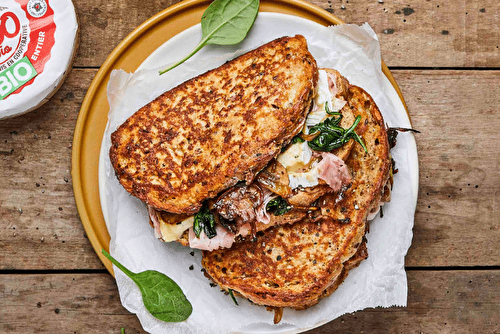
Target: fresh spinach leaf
{"x":278,"y":206}
{"x":204,"y":221}
{"x":161,"y":296}
{"x":225,"y":22}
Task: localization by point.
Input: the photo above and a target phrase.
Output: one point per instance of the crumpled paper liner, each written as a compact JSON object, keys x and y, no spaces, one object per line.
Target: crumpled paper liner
{"x":379,"y":281}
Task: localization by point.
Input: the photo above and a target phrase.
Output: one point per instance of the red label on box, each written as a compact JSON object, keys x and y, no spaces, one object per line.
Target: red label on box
{"x":27,"y":29}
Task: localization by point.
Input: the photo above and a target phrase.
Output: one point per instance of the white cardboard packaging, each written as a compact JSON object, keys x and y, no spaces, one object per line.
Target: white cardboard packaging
{"x":38,"y":39}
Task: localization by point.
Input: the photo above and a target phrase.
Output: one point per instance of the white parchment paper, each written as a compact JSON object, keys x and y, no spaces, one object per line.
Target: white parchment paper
{"x":378,"y":281}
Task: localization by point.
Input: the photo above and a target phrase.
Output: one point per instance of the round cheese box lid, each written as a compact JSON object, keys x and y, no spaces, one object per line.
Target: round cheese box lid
{"x":38,"y":39}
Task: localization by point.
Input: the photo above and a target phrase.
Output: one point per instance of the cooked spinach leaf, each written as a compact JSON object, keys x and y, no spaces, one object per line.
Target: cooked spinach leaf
{"x":297,"y":139}
{"x":278,"y":206}
{"x":327,"y":109}
{"x":204,"y":221}
{"x":224,"y":22}
{"x":161,"y":296}
{"x":232,"y":296}
{"x":333,"y":136}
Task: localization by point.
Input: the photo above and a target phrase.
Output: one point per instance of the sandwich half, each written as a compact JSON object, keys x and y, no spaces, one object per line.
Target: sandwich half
{"x":217,"y":129}
{"x":298,"y":264}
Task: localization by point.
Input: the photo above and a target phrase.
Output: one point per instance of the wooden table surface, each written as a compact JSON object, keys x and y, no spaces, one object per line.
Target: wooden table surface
{"x":444,"y":55}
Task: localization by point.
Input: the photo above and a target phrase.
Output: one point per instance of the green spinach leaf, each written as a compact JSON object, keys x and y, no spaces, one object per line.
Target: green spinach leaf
{"x":225,"y":22}
{"x":232,"y":296}
{"x":297,"y":139}
{"x":327,"y":110}
{"x":204,"y":221}
{"x":278,"y":206}
{"x":333,"y":136}
{"x":161,"y":296}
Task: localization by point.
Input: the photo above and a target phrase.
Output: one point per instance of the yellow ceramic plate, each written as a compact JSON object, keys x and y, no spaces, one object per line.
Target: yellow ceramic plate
{"x":128,"y":55}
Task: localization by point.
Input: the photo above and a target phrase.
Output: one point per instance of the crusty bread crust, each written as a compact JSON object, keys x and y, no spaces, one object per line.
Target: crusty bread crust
{"x":371,"y":169}
{"x":214,"y":130}
{"x":296,"y":265}
{"x":288,"y":265}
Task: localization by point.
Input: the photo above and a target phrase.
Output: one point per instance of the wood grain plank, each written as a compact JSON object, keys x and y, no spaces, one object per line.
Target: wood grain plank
{"x":458,"y":204}
{"x":438,"y":302}
{"x":39,"y":223}
{"x":455,"y":223}
{"x":104,"y":24}
{"x":429,"y":33}
{"x":62,"y":303}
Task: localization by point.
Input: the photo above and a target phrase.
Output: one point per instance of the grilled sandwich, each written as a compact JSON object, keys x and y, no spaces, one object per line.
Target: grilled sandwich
{"x":295,"y":179}
{"x":217,"y":129}
{"x":296,"y":265}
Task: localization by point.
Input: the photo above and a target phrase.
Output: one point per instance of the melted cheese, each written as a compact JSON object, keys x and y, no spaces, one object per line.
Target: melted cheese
{"x":297,"y":156}
{"x":305,"y":179}
{"x":172,"y":232}
{"x":323,"y":96}
{"x":296,"y":160}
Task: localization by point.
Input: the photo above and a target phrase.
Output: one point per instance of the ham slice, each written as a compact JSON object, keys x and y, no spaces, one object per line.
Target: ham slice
{"x":223,"y":239}
{"x":245,"y":229}
{"x":331,"y":84}
{"x":261,"y":212}
{"x":333,"y":171}
{"x":153,"y":215}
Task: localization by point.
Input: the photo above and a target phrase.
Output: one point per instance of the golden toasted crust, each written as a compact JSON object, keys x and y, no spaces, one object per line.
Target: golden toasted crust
{"x":184,"y":239}
{"x":296,"y":265}
{"x":287,"y":266}
{"x":370,"y":169}
{"x":353,"y":262}
{"x":214,"y":130}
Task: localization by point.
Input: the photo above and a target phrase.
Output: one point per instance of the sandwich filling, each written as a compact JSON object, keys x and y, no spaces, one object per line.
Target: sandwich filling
{"x":239,"y":210}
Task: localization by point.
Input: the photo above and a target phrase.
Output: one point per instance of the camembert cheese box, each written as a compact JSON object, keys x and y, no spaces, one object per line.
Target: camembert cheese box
{"x":38,"y":39}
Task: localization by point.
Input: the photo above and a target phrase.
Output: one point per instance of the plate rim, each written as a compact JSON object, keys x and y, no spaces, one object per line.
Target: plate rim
{"x":78,"y":172}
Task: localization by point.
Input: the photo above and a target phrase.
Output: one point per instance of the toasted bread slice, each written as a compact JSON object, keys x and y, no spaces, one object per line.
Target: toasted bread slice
{"x":245,"y":204}
{"x":372,"y":168}
{"x":288,"y":265}
{"x":296,"y":265}
{"x":243,"y":200}
{"x":214,"y":130}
